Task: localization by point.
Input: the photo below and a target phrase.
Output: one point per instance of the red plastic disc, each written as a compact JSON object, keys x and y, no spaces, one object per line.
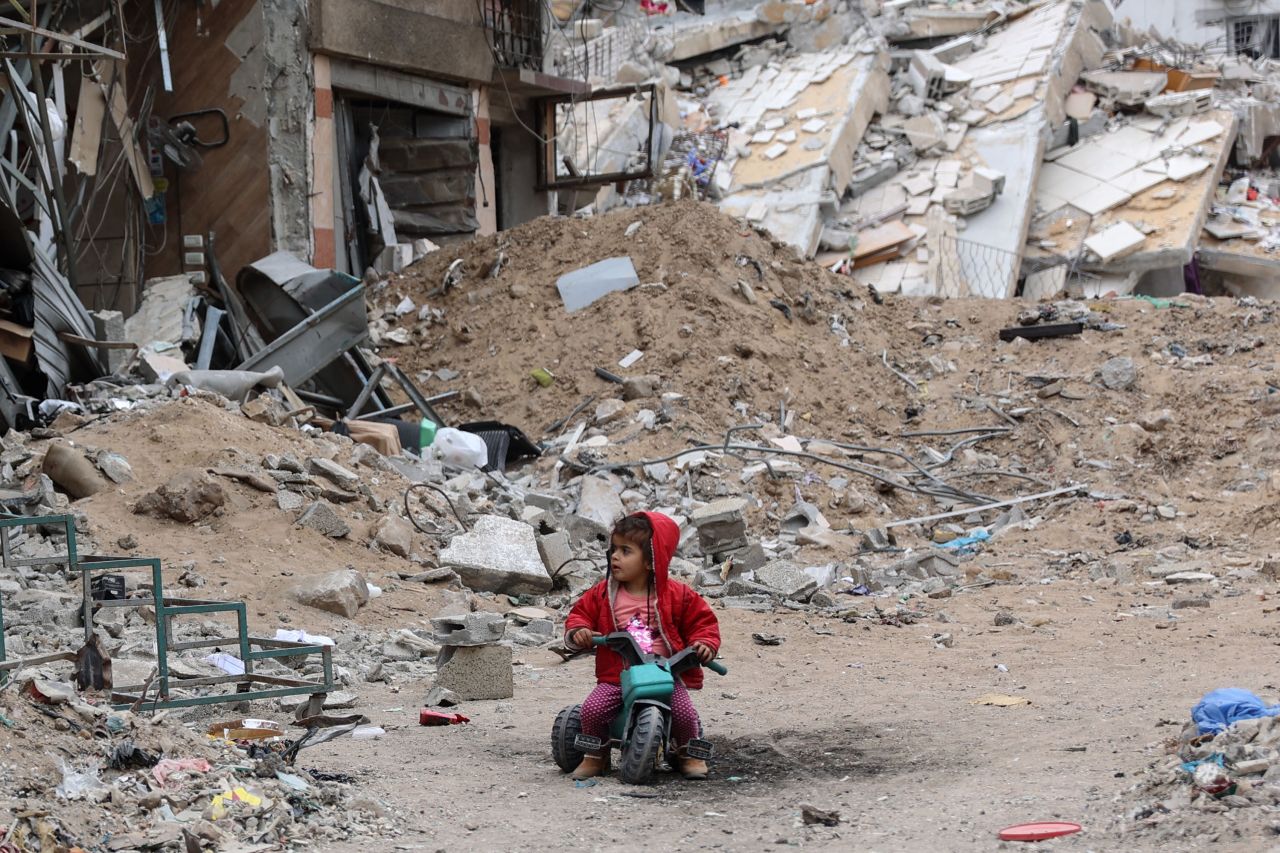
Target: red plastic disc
{"x":1038,"y":831}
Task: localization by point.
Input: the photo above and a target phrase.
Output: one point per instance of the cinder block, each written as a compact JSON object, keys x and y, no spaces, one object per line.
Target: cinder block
{"x":469,"y":629}
{"x":476,"y":672}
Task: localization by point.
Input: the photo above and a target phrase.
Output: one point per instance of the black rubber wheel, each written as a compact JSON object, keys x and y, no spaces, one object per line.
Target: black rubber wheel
{"x":644,"y":748}
{"x":564,"y":732}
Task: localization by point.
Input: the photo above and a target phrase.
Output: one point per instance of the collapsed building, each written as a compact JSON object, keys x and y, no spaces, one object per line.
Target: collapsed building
{"x":167,"y":158}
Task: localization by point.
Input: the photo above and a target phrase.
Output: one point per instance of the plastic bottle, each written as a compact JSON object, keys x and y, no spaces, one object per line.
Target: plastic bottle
{"x":463,"y":449}
{"x":427,"y":433}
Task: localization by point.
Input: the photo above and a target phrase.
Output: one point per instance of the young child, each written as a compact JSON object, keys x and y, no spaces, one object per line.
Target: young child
{"x":664,"y":616}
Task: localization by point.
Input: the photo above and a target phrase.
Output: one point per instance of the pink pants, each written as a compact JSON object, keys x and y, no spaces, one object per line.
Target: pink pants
{"x":604,"y":703}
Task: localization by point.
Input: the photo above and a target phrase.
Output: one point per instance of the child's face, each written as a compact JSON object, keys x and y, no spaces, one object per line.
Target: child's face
{"x":628,"y":562}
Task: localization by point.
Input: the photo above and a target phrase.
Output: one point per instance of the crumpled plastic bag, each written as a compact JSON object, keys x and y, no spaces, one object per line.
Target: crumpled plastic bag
{"x":77,"y":784}
{"x":1220,"y":708}
{"x":168,"y":766}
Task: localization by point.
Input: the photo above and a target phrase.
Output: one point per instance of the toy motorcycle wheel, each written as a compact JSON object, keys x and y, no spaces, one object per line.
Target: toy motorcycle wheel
{"x":564,"y":732}
{"x":644,"y":747}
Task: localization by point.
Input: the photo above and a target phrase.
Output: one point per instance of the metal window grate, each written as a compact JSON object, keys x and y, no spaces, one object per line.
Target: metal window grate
{"x":516,"y":29}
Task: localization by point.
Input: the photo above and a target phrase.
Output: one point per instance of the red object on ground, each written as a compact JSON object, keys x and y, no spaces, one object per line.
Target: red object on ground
{"x":427,"y":717}
{"x":1039,"y":831}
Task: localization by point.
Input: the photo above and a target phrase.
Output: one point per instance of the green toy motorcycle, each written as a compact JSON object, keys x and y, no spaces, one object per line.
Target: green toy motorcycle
{"x":642,"y":729}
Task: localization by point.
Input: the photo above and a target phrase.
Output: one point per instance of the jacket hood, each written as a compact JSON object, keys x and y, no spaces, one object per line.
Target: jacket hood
{"x":666,"y":538}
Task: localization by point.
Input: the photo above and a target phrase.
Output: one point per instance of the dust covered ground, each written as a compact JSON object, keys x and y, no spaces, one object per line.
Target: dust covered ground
{"x":872,"y":721}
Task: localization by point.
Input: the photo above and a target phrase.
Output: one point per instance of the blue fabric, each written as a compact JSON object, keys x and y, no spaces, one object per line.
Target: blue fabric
{"x":968,"y":544}
{"x":1220,"y":708}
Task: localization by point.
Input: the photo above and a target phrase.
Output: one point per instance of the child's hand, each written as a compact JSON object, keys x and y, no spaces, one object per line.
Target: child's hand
{"x":582,"y":637}
{"x":705,"y":653}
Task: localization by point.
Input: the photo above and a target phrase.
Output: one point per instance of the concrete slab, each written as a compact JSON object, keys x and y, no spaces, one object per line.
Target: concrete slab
{"x":695,"y":35}
{"x":1115,"y":242}
{"x":1101,"y":199}
{"x":1098,"y":162}
{"x":1015,"y":148}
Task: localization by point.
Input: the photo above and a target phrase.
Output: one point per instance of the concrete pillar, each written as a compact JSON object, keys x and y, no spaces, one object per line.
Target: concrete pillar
{"x":324,"y":146}
{"x":486,"y":186}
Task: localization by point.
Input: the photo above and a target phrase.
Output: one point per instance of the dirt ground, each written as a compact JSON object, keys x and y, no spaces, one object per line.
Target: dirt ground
{"x":870,"y":720}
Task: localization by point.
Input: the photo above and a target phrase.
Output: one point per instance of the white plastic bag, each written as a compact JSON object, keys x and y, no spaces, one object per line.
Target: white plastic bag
{"x":463,"y":449}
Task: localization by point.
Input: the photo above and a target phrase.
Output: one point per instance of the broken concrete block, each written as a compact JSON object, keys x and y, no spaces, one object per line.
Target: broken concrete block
{"x":334,"y":473}
{"x":582,"y":287}
{"x":498,"y":555}
{"x":342,"y":592}
{"x":556,"y":552}
{"x":476,"y":672}
{"x":641,"y":387}
{"x":925,"y":131}
{"x":189,"y":496}
{"x":721,"y":525}
{"x":600,"y":500}
{"x":609,"y":410}
{"x":323,"y":519}
{"x":787,"y":580}
{"x":394,"y":534}
{"x":1115,"y":242}
{"x":109,"y":326}
{"x":469,"y":629}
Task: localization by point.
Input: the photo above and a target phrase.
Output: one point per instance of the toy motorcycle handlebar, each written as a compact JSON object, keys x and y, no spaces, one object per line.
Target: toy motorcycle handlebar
{"x":625,"y":645}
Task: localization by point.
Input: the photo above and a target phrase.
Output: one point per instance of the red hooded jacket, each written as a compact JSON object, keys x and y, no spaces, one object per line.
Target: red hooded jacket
{"x":684,"y":617}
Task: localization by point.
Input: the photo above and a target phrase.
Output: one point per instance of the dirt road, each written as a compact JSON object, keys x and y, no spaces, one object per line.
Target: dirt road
{"x":872,"y":720}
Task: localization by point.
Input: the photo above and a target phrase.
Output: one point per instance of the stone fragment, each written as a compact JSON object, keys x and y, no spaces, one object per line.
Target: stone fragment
{"x":188,"y":496}
{"x":1188,"y":577}
{"x":115,"y":466}
{"x":600,"y":500}
{"x":469,"y":629}
{"x":1119,"y":373}
{"x":787,"y":580}
{"x":325,"y":520}
{"x":498,"y":555}
{"x":334,"y":473}
{"x":641,"y":387}
{"x":394,"y":534}
{"x":342,"y":592}
{"x":289,"y":501}
{"x":476,"y":672}
{"x":609,"y":410}
{"x":1156,"y":421}
{"x":440,"y":697}
{"x":721,"y":525}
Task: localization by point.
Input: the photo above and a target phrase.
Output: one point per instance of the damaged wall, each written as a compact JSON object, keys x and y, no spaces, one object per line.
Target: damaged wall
{"x":1191,"y":21}
{"x":449,"y":42}
{"x":287,"y":66}
{"x":229,"y":192}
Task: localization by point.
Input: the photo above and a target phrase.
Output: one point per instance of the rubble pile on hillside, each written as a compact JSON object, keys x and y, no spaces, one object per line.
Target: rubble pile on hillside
{"x":984,"y":149}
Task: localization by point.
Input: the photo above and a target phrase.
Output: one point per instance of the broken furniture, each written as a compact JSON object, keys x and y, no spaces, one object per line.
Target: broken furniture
{"x":312,"y":320}
{"x":157,"y":693}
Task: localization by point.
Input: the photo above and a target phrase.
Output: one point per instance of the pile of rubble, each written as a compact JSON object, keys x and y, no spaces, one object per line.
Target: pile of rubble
{"x":986,"y":149}
{"x":79,"y":775}
{"x":1209,"y":788}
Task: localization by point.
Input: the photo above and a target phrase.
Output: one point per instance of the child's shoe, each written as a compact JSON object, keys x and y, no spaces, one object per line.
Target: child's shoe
{"x":692,"y":768}
{"x":591,"y":765}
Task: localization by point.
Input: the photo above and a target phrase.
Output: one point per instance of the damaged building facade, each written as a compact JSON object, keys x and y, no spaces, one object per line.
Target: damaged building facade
{"x":166,"y":157}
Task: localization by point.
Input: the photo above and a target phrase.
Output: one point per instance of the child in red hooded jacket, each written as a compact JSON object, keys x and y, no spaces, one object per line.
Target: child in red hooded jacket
{"x":664,"y":616}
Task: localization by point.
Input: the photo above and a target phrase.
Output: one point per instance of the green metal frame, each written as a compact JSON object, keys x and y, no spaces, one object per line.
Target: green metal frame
{"x":167,"y":609}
